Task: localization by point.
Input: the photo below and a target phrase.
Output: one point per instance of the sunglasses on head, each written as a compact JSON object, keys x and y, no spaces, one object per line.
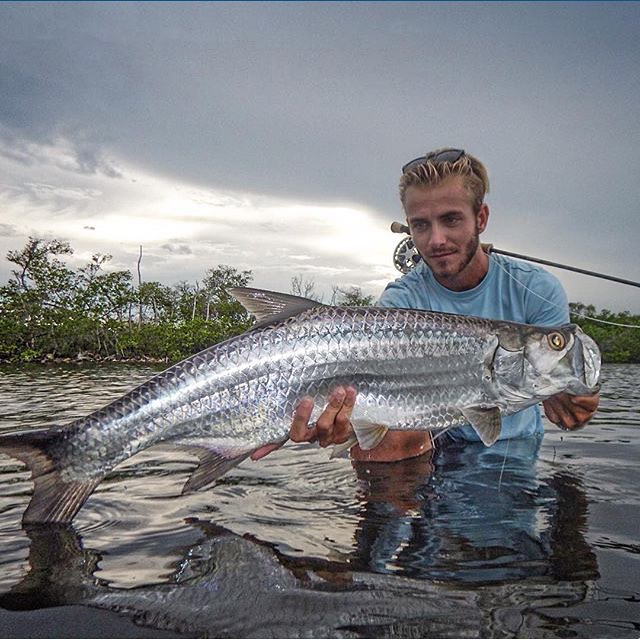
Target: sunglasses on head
{"x":445,"y":155}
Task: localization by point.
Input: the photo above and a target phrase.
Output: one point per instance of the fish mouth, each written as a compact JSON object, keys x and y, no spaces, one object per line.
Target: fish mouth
{"x":592,"y":361}
{"x":584,"y":361}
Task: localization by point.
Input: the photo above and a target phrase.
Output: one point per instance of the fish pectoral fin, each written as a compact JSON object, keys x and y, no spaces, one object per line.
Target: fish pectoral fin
{"x":213,"y":465}
{"x":487,"y":422}
{"x":369,"y":435}
{"x":339,"y":449}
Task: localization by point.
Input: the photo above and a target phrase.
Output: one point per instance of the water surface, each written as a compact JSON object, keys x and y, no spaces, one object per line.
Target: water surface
{"x":521,"y":539}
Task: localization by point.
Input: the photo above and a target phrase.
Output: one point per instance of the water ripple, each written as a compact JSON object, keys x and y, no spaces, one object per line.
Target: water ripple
{"x":549,"y":529}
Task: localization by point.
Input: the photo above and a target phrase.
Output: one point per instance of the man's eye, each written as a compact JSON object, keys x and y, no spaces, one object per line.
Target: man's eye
{"x":418,"y":226}
{"x":451,"y":221}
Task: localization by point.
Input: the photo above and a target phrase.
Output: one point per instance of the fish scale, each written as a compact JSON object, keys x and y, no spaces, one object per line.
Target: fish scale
{"x":308,"y":358}
{"x":435,"y":351}
{"x":412,"y":370}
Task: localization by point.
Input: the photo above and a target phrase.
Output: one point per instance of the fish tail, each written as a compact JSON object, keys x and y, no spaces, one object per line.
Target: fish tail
{"x":55,"y":498}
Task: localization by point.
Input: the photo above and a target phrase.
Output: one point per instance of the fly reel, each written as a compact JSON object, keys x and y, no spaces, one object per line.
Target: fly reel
{"x":405,"y":256}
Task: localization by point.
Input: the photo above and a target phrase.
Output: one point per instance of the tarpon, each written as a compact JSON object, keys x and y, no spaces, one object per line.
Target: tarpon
{"x":412,"y":370}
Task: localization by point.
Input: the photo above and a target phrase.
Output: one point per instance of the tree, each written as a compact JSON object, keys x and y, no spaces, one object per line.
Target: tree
{"x":217,"y":303}
{"x":103,"y":295}
{"x":36,"y":301}
{"x":41,"y":274}
{"x":352,"y":297}
{"x":159,"y":302}
{"x":305,"y":288}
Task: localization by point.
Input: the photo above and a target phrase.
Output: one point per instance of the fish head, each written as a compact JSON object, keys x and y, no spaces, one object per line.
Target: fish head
{"x":534,"y":363}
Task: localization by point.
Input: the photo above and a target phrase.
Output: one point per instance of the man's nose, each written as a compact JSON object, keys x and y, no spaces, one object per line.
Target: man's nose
{"x":437,"y":236}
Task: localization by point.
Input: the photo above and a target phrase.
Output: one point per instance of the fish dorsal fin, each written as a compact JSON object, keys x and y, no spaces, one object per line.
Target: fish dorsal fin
{"x":487,"y":422}
{"x":269,"y":305}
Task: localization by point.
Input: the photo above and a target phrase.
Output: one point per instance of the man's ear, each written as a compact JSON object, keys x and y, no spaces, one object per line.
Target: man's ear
{"x":482,"y":217}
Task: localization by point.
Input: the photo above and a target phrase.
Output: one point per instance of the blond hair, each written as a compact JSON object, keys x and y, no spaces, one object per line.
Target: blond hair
{"x":430,"y":174}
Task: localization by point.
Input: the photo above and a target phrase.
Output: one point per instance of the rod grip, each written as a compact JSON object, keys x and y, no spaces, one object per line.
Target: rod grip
{"x":398,"y":227}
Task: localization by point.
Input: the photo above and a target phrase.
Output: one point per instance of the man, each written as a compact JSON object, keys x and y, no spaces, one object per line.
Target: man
{"x":442,"y":194}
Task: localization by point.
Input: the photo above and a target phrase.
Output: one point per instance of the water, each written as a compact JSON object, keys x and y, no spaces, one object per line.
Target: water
{"x":517,"y":540}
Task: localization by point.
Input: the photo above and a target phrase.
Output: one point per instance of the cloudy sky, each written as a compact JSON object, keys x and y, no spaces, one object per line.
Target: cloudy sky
{"x":269,"y":136}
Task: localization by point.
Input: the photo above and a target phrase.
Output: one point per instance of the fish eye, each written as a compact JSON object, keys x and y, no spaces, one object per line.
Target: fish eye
{"x":556,"y":341}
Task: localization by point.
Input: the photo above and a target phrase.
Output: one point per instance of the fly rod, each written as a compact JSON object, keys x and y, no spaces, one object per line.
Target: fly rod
{"x":398,"y":227}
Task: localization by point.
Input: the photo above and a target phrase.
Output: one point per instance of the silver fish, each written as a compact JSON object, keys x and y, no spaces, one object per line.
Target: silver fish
{"x":412,"y":370}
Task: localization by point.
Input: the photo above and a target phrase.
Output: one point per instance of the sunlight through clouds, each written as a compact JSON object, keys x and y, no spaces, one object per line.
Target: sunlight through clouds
{"x":272,"y":138}
{"x":185,"y":229}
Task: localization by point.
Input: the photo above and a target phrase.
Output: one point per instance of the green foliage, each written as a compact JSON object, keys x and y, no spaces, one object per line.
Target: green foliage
{"x":352,"y":297}
{"x":617,"y":344}
{"x":49,"y":311}
{"x":173,"y":341}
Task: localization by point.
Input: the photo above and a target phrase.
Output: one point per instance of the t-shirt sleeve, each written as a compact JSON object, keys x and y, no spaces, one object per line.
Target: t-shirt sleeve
{"x":550,"y":306}
{"x":395,"y":295}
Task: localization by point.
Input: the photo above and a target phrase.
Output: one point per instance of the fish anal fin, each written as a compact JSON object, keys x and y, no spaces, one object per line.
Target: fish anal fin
{"x":486,"y":421}
{"x":269,"y":306}
{"x":213,"y":465}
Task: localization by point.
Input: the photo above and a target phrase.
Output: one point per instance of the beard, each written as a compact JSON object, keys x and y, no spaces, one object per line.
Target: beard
{"x":463,"y":259}
{"x":469,"y":251}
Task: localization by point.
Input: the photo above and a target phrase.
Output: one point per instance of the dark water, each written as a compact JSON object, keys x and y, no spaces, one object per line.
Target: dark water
{"x":518,"y":540}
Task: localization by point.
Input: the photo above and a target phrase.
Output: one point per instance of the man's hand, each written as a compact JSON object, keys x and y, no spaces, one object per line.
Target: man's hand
{"x":571,"y":412}
{"x":333,"y":426}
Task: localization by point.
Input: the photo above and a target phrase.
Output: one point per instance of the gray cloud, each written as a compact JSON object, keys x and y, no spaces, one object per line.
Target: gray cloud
{"x":323,"y":102}
{"x":8,"y":230}
{"x":76,"y":156}
{"x":178,"y":248}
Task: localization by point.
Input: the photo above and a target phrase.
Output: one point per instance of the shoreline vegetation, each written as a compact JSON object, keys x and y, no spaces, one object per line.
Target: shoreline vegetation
{"x":52,"y":313}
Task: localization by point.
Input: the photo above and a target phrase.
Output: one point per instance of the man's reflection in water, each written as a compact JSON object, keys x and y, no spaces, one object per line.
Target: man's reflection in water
{"x":472,"y":514}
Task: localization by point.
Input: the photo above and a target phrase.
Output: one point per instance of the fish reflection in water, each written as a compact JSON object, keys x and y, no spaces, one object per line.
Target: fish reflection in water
{"x":455,"y":546}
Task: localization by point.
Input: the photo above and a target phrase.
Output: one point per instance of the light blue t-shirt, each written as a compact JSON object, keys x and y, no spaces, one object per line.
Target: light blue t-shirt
{"x":511,"y":290}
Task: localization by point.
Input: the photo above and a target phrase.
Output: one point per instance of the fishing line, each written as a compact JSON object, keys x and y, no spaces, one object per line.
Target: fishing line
{"x":580,"y":315}
{"x":504,"y":461}
{"x":489,"y":249}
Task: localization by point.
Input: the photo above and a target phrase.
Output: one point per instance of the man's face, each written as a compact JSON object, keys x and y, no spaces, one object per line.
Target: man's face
{"x":445,"y":230}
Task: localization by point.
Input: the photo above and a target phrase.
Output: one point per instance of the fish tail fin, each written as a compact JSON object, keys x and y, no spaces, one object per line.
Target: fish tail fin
{"x":55,"y":499}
